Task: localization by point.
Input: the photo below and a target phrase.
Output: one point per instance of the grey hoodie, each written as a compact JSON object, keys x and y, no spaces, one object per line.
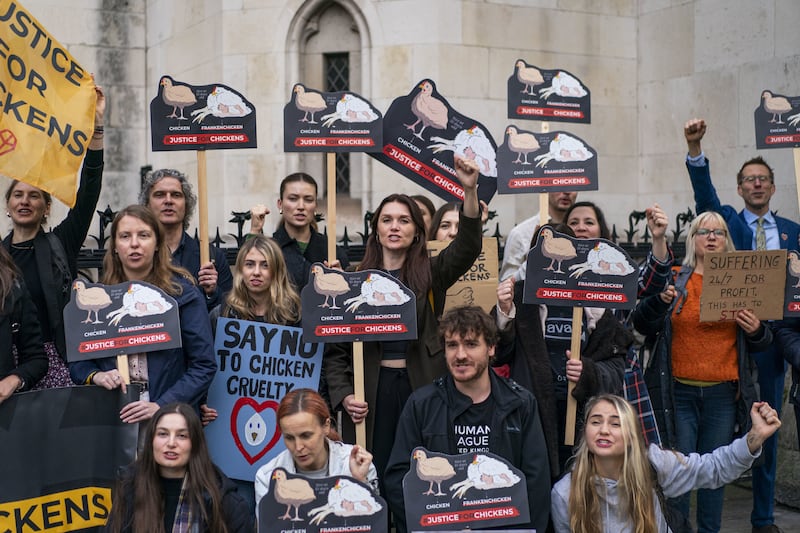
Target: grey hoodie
{"x":677,"y":474}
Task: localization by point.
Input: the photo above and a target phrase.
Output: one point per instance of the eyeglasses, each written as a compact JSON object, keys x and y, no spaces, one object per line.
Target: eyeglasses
{"x":703,"y":232}
{"x":752,"y":179}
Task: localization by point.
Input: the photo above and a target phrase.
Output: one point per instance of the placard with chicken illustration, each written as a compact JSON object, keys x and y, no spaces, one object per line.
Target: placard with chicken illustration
{"x":791,"y":299}
{"x":422,"y":132}
{"x":777,"y":121}
{"x":110,"y":320}
{"x":452,"y":492}
{"x":556,"y":161}
{"x":257,"y":365}
{"x":570,"y":272}
{"x":547,"y":94}
{"x":343,"y":121}
{"x":478,"y":285}
{"x":341,"y":503}
{"x":200,"y":117}
{"x":368,"y":305}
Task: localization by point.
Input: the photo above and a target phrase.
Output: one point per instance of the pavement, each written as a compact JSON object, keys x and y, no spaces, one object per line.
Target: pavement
{"x":739,"y":503}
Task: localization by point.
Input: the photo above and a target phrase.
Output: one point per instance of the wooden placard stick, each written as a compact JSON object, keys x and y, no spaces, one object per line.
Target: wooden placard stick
{"x":575,"y":353}
{"x":202,"y":200}
{"x":544,"y":203}
{"x":123,"y":369}
{"x":358,"y":347}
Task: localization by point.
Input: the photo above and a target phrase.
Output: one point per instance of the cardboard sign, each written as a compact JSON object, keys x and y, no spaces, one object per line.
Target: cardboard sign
{"x":369,"y":305}
{"x":136,"y":316}
{"x":421,"y":132}
{"x":48,"y":110}
{"x":258,"y":364}
{"x":555,"y":95}
{"x":344,"y":121}
{"x":478,"y":286}
{"x":556,"y":161}
{"x":202,"y":117}
{"x":777,"y":121}
{"x":579,"y":273}
{"x":341,"y":504}
{"x":63,"y":448}
{"x":751,"y":280}
{"x":471,"y":490}
{"x":791,"y":296}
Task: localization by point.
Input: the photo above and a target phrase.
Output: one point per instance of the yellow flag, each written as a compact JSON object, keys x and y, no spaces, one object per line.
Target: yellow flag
{"x":46,"y":106}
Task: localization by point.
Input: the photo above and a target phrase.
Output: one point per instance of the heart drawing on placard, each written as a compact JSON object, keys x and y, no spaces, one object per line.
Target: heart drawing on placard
{"x":256,"y":439}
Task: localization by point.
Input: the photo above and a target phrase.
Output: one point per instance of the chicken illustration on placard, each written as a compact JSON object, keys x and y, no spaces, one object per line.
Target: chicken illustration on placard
{"x":564,"y":148}
{"x":521,"y":144}
{"x":329,"y":284}
{"x":528,"y":76}
{"x":177,"y":96}
{"x":485,"y":473}
{"x":433,"y":470}
{"x":350,"y":109}
{"x":776,"y":106}
{"x":90,"y":300}
{"x":293,"y":492}
{"x":309,"y":102}
{"x":428,"y":109}
{"x":564,"y":85}
{"x":222,"y":103}
{"x":139,"y":301}
{"x":346,"y":498}
{"x":377,"y":291}
{"x":794,"y":267}
{"x":556,"y":249}
{"x":605,"y":260}
{"x":471,"y":144}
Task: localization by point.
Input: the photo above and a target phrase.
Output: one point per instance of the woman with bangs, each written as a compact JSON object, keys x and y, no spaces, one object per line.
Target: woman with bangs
{"x":137,"y":251}
{"x":618,"y":485}
{"x":701,"y":378}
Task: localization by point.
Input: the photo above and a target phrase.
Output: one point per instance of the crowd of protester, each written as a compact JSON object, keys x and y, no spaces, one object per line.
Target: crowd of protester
{"x":509,"y":371}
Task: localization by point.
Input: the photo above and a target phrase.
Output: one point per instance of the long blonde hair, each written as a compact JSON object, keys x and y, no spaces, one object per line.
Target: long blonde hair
{"x":283,"y":306}
{"x":635,"y":485}
{"x":163,"y":274}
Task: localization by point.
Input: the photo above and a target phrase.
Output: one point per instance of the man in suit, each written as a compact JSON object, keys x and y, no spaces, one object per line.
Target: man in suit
{"x":753,"y":228}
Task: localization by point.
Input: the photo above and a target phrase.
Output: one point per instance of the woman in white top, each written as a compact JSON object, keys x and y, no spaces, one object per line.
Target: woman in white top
{"x":313,"y":448}
{"x":614,"y":481}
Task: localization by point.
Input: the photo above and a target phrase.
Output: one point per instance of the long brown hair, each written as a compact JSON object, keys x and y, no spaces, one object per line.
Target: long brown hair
{"x":307,"y":401}
{"x":283,"y":306}
{"x":8,"y":275}
{"x":416,"y":270}
{"x":636,"y":486}
{"x":163,"y":273}
{"x":201,"y":482}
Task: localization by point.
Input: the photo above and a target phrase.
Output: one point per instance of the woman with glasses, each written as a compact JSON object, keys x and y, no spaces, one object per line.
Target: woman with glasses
{"x":704,"y":384}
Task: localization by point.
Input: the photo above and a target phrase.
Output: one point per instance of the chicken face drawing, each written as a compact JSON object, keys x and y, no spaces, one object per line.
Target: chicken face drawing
{"x":222,"y":103}
{"x":564,"y":85}
{"x":377,"y":291}
{"x":255,"y":430}
{"x":564,"y":148}
{"x":794,"y":267}
{"x":605,"y":260}
{"x":350,"y":109}
{"x":291,"y":493}
{"x":90,"y":300}
{"x":471,"y":144}
{"x":139,"y":301}
{"x":428,"y":109}
{"x":485,"y":473}
{"x":346,"y":498}
{"x":176,"y":96}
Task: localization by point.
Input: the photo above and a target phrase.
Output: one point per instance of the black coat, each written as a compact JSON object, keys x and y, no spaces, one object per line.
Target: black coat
{"x":298,"y":264}
{"x":19,"y":314}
